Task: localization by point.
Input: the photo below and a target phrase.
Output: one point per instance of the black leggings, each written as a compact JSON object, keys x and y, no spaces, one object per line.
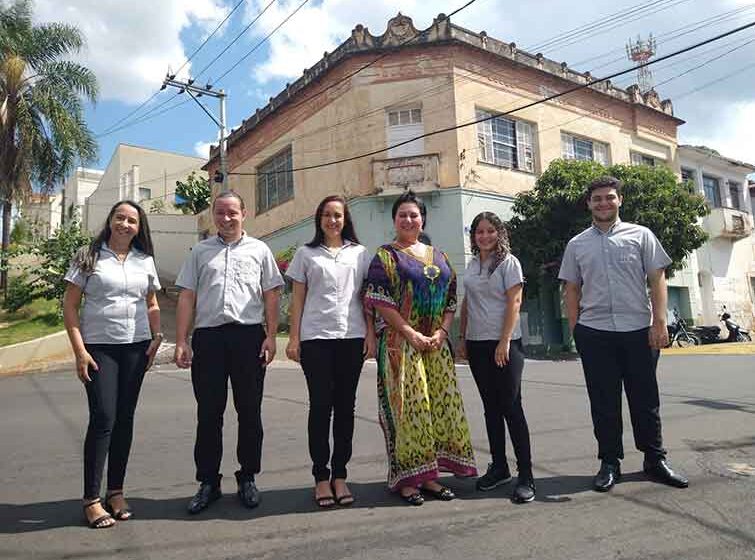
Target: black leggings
{"x":501,"y":393}
{"x":332,"y":369}
{"x":112,"y":394}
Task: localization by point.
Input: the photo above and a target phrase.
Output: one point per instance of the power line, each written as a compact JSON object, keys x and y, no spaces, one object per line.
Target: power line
{"x":526,"y":106}
{"x":261,"y":42}
{"x":199,"y":48}
{"x":236,"y":38}
{"x":108,"y":130}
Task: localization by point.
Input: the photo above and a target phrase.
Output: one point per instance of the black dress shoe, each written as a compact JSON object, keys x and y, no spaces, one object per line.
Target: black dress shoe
{"x":660,"y":471}
{"x":608,"y":475}
{"x":248,"y":493}
{"x":206,"y":494}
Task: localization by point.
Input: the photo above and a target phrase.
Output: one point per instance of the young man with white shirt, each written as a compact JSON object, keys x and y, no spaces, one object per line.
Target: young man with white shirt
{"x":606,"y":270}
{"x":230,"y":287}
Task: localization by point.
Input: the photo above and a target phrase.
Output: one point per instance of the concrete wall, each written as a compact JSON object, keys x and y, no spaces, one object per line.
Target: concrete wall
{"x":173,"y":236}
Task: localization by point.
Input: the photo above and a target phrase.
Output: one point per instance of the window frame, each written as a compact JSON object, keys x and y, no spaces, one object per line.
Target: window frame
{"x":736,"y":202}
{"x":492,"y":140}
{"x":570,"y":138}
{"x":273,"y":164}
{"x":716,"y":202}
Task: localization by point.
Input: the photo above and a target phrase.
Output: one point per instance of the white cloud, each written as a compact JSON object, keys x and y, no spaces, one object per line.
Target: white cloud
{"x":733,"y":136}
{"x":130,"y":46}
{"x":314,"y":29}
{"x":202,"y":149}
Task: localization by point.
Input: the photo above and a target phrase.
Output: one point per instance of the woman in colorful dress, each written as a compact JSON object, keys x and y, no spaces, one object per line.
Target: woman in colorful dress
{"x":492,"y":341}
{"x":115,"y":336}
{"x":331,"y":339}
{"x":413,"y":288}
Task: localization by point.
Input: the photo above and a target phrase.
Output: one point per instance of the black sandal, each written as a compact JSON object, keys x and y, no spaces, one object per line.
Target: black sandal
{"x":121,"y":514}
{"x":345,"y":500}
{"x":444,"y":494}
{"x":97,"y":523}
{"x":415,"y":499}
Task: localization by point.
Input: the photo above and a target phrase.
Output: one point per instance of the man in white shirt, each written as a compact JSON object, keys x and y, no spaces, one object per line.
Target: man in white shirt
{"x":230,"y":287}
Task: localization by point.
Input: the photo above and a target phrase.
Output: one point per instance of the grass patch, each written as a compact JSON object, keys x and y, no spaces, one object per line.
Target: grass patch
{"x":39,"y":318}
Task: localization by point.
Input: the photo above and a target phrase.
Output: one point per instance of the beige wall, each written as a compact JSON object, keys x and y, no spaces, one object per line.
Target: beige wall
{"x":143,"y":168}
{"x":173,"y":236}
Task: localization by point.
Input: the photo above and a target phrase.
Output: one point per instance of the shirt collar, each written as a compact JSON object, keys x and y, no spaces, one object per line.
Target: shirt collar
{"x":611,"y":230}
{"x":220,"y":240}
{"x":346,"y":243}
{"x":105,"y":247}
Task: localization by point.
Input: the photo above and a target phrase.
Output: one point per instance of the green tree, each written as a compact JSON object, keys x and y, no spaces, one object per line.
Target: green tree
{"x":157,"y":206}
{"x":195,"y":192}
{"x":52,"y":257}
{"x":555,"y":211}
{"x":43,"y":134}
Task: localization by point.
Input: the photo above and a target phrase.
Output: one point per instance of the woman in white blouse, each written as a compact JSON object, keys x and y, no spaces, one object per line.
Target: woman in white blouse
{"x":115,"y":338}
{"x":492,"y":341}
{"x":331,"y":337}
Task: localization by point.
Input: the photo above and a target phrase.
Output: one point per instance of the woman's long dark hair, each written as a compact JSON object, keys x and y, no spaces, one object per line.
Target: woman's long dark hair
{"x":502,"y":249}
{"x":347,"y":233}
{"x":86,"y":259}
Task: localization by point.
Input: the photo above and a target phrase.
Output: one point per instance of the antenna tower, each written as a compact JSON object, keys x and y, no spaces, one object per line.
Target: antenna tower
{"x":640,"y":51}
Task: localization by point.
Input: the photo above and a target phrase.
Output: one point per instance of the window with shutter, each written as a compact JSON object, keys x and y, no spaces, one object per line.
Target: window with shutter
{"x":505,"y":142}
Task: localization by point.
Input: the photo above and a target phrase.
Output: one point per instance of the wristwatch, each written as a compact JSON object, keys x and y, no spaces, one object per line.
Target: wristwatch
{"x":158,"y":336}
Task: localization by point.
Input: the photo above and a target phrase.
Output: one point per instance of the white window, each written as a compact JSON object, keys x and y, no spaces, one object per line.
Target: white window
{"x":144,"y":193}
{"x":505,"y":142}
{"x":641,"y":159}
{"x":402,"y":125}
{"x":275,"y":181}
{"x":575,"y":147}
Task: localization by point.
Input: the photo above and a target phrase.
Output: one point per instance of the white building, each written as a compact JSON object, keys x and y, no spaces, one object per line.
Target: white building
{"x":77,"y":188}
{"x":149,"y":177}
{"x":43,"y":213}
{"x":722,"y":271}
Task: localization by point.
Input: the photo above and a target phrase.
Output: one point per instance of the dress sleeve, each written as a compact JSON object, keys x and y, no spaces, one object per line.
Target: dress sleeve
{"x":451,"y":294}
{"x":154,"y":281}
{"x":297,"y":269}
{"x":382,"y":281}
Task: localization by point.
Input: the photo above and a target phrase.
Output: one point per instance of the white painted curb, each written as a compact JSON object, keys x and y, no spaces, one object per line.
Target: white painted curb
{"x":25,"y":354}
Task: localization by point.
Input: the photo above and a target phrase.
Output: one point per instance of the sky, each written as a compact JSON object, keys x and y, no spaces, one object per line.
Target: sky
{"x":132,"y":46}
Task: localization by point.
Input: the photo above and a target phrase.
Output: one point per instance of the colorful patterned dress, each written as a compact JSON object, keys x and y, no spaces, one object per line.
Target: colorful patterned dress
{"x":421,"y":409}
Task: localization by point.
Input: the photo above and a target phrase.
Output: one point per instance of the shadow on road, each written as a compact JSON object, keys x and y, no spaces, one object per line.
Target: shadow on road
{"x":43,"y":516}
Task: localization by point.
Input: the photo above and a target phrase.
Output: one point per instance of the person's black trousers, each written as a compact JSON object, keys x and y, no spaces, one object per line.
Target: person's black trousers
{"x":112,"y":394}
{"x":610,"y":359}
{"x":228,"y":351}
{"x":332,"y":369}
{"x":501,"y":393}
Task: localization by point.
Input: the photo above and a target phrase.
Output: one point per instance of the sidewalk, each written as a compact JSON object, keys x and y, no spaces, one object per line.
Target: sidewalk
{"x":721,"y":349}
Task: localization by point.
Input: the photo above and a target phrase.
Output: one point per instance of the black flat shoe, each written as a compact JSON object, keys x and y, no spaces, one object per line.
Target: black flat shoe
{"x":119,"y":514}
{"x":415,"y":499}
{"x":608,"y":475}
{"x":444,"y":494}
{"x":248,"y":493}
{"x":662,"y":472}
{"x":206,"y":494}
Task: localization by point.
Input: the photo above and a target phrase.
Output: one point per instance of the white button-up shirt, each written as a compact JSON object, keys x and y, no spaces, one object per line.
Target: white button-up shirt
{"x":229,"y":280}
{"x":115,"y":297}
{"x":612,"y":269}
{"x":486,"y":297}
{"x":333,"y":304}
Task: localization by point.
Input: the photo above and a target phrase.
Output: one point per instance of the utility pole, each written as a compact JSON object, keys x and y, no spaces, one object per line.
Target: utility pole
{"x":198,"y":91}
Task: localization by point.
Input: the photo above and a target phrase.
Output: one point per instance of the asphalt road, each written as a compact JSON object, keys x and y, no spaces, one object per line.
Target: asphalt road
{"x":709,"y":428}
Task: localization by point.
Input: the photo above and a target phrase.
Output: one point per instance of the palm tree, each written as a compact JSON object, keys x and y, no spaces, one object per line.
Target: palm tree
{"x":43,"y":134}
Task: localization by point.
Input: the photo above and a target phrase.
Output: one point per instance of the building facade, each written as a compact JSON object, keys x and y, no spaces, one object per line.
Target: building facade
{"x":722,"y":271}
{"x":77,"y":188}
{"x":42,"y":213}
{"x":434,"y":87}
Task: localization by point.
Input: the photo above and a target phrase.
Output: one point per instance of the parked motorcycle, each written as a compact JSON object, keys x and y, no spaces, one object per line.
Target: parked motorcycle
{"x":678,"y":333}
{"x":711,"y":334}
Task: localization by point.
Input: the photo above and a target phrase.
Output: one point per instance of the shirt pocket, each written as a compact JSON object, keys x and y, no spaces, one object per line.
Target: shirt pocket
{"x":627,"y":256}
{"x":246,"y":270}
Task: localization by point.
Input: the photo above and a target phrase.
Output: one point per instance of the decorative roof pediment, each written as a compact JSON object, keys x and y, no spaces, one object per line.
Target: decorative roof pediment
{"x":400,"y":30}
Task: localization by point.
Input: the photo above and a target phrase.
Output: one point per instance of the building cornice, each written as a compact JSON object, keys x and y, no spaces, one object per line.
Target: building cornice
{"x":398,"y":33}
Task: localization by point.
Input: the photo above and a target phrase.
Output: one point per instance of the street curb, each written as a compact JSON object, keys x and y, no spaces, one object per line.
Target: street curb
{"x":722,"y":349}
{"x":35,"y":354}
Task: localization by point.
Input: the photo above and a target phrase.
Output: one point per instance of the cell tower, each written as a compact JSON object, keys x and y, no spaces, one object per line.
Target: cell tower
{"x":640,"y":51}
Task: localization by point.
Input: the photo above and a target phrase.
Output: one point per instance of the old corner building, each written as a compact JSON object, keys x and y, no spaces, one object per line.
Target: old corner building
{"x":447,"y":77}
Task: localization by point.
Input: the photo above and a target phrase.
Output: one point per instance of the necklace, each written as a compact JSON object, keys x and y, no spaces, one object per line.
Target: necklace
{"x":430,"y":270}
